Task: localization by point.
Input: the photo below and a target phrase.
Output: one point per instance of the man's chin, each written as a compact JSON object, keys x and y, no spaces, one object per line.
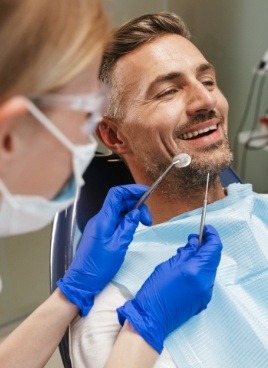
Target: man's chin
{"x":196,"y":173}
{"x":215,"y":159}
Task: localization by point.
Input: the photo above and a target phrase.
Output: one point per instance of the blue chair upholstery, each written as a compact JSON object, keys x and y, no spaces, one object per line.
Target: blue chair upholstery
{"x":229,"y":176}
{"x":104,"y":172}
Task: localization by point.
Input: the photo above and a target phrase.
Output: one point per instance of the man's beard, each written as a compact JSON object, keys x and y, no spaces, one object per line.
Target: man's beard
{"x":191,"y":179}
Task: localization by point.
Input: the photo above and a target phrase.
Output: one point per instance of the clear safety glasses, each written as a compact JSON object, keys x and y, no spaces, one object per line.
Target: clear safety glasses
{"x":94,"y":104}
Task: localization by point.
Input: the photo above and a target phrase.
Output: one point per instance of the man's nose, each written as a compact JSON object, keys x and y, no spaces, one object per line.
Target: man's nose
{"x":200,"y":99}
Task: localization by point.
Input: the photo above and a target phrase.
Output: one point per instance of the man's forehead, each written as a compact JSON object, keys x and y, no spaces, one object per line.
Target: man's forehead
{"x":163,"y":55}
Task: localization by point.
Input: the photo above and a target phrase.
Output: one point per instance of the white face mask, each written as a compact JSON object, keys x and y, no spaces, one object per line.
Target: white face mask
{"x":20,"y":213}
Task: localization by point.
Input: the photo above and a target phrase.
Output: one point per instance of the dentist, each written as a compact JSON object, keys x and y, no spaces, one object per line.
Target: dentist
{"x":50,"y":102}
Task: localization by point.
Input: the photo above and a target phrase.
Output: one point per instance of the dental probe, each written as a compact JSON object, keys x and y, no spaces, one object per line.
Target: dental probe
{"x":204,"y":211}
{"x":180,"y":160}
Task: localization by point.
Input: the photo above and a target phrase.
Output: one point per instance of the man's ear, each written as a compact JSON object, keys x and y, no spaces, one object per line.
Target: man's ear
{"x":107,"y":131}
{"x":9,"y":110}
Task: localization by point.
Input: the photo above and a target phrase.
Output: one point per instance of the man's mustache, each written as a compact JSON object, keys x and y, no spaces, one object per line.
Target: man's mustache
{"x":203,"y":117}
{"x":199,"y":118}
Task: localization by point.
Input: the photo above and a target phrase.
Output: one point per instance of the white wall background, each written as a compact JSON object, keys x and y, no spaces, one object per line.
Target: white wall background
{"x":233,"y":34}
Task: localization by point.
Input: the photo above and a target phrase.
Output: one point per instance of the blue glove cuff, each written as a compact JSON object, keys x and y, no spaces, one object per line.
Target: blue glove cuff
{"x":141,"y":323}
{"x":84,"y":304}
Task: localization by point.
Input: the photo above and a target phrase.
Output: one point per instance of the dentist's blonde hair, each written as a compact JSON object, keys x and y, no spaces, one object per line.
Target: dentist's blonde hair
{"x":46,"y":43}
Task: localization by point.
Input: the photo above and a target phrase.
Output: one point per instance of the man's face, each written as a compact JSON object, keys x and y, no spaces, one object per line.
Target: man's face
{"x":173,"y":105}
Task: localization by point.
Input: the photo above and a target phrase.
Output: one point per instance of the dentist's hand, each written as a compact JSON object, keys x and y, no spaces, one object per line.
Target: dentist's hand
{"x":103,"y":246}
{"x":177,"y":290}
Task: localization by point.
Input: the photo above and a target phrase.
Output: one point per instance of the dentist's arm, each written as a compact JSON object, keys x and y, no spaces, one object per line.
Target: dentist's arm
{"x":99,"y":256}
{"x":33,"y":342}
{"x":177,"y":290}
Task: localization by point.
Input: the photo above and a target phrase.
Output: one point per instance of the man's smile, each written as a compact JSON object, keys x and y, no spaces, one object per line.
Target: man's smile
{"x":198,"y":133}
{"x":203,"y":134}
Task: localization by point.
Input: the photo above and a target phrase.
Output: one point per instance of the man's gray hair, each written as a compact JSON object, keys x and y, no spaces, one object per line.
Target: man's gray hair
{"x":129,"y":37}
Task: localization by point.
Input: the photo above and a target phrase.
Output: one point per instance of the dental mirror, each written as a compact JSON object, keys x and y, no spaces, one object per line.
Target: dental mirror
{"x":179,"y":161}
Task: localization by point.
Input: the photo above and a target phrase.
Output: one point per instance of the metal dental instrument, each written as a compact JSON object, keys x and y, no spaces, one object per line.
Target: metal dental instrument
{"x":180,"y":160}
{"x":203,"y":215}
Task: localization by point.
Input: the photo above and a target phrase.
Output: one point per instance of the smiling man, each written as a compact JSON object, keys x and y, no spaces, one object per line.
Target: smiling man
{"x":165,"y":100}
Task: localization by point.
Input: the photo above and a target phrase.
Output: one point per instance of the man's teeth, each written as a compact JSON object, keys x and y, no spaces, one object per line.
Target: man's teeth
{"x":197,"y":132}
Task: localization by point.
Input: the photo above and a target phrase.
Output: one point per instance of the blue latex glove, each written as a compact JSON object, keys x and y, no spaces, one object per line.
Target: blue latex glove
{"x":103,"y":246}
{"x":177,"y":290}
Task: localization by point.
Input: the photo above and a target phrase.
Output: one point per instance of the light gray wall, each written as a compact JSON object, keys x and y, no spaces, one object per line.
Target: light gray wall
{"x":24,"y":269}
{"x":121,"y":11}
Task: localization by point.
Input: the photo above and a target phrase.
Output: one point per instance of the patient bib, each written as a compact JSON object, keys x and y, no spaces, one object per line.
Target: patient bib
{"x":233,"y":331}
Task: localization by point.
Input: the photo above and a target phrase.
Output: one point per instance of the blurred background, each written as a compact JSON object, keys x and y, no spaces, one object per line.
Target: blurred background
{"x":233,"y":35}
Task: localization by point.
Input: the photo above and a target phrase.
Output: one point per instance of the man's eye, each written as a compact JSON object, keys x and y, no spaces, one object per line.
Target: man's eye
{"x":208,"y":83}
{"x":166,"y":93}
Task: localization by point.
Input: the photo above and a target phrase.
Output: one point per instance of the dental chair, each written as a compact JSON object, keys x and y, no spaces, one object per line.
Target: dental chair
{"x":105,"y":171}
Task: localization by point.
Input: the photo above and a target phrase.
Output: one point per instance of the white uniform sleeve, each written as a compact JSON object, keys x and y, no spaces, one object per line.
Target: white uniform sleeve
{"x":92,"y":337}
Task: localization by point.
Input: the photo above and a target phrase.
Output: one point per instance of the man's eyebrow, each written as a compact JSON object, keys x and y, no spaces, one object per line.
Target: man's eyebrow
{"x":176,"y":75}
{"x":163,"y":78}
{"x":205,"y":67}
